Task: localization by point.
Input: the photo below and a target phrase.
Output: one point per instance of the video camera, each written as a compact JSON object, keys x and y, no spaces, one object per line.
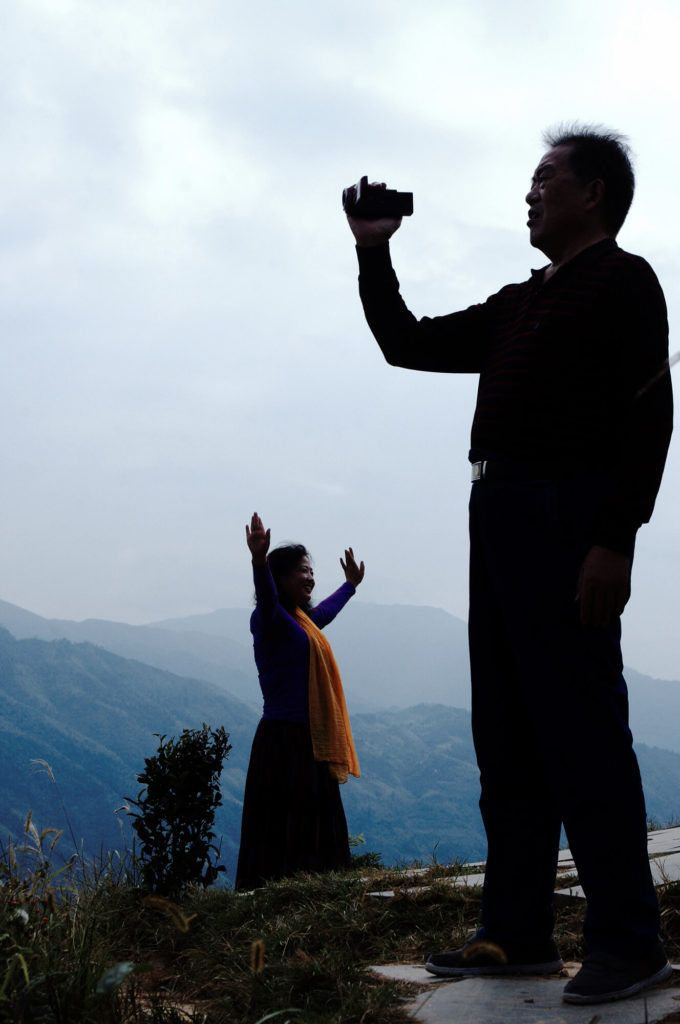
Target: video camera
{"x":370,"y":202}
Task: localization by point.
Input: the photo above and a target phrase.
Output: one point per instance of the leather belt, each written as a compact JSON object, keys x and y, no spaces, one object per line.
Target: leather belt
{"x":532,"y":469}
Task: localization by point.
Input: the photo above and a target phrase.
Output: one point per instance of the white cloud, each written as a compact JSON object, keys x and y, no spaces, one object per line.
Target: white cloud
{"x":190,"y":174}
{"x":183,"y":336}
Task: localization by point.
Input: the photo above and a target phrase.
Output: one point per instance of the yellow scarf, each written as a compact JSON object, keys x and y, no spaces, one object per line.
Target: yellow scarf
{"x":328,"y":719}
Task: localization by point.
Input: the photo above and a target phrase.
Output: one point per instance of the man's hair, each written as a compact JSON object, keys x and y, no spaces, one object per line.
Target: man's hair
{"x":282,"y":562}
{"x":597,"y":152}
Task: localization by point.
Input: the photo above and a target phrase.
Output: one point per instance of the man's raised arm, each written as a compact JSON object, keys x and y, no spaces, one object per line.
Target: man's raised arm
{"x":445,"y":344}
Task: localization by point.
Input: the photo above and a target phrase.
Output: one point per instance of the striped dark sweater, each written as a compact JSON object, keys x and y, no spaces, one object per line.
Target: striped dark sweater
{"x":564,"y":370}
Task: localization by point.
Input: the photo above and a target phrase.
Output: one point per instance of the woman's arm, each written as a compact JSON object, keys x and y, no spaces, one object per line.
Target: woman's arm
{"x":327,"y":609}
{"x":354,"y":573}
{"x":258,"y":540}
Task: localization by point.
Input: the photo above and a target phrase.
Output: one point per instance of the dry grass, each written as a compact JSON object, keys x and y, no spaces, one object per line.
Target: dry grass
{"x":299,"y":949}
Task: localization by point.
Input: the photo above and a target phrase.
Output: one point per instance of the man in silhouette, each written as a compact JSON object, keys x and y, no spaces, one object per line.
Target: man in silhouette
{"x":568,"y":445}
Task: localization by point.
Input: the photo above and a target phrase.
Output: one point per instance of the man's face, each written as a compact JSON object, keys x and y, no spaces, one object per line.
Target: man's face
{"x":556,"y":204}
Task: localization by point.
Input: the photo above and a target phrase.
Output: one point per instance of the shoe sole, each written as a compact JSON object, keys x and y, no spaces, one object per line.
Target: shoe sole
{"x":470,"y":972}
{"x":622,"y":993}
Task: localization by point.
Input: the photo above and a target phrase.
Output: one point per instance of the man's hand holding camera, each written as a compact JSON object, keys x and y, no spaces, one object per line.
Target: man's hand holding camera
{"x":373,"y":232}
{"x":375,"y":212}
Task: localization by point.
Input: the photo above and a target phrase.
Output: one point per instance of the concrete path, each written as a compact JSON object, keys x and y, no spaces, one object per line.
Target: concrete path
{"x":525,"y":1000}
{"x":664,"y":857}
{"x":663,"y":846}
{"x":539,"y":1000}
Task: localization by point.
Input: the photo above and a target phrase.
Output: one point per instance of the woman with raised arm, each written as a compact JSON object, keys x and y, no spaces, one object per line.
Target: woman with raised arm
{"x":293,"y":819}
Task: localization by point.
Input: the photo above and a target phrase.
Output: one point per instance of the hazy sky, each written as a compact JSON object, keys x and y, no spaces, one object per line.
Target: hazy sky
{"x":183,"y":340}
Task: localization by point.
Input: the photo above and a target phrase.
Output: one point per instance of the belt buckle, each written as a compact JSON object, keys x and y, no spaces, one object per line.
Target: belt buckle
{"x":478,"y":471}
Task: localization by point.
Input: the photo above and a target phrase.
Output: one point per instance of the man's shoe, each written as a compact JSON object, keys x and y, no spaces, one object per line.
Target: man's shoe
{"x":480,"y":956}
{"x":605,"y":977}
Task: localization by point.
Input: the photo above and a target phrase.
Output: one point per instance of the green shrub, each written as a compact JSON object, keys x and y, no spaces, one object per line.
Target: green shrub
{"x":367,"y":859}
{"x":176,"y":810}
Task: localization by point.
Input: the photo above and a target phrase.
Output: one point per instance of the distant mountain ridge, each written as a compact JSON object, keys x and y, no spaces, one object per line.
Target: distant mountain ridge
{"x":219,"y":659}
{"x":92,"y":716}
{"x":390,"y":656}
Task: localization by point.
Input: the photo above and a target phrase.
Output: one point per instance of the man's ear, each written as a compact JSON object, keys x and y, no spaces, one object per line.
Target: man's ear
{"x":594,"y":196}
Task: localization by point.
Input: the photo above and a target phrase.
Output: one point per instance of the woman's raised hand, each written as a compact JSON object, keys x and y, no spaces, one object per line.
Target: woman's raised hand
{"x":257,"y":539}
{"x":353,"y":573}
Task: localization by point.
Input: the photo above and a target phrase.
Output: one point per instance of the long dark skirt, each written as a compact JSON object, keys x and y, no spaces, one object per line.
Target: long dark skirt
{"x":293,"y":819}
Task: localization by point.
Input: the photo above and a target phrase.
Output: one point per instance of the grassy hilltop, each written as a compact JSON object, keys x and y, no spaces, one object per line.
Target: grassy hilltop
{"x":91,"y":947}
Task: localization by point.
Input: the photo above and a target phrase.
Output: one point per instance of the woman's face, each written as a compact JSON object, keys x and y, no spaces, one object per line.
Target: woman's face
{"x":299,"y":584}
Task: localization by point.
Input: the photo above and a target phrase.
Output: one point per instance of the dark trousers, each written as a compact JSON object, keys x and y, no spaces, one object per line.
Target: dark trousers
{"x":550,"y":722}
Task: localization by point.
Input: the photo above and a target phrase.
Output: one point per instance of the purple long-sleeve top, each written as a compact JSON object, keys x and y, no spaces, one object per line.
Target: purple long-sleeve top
{"x":281,"y":647}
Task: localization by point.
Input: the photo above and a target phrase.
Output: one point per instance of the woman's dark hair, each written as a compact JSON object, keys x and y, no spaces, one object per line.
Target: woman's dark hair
{"x":282,"y":561}
{"x":597,"y":152}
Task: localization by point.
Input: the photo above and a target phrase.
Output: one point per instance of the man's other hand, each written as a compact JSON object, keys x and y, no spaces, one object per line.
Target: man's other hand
{"x":603,"y":586}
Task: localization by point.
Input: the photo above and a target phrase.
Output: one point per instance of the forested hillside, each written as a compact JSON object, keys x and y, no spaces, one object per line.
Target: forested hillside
{"x":91,"y":715}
